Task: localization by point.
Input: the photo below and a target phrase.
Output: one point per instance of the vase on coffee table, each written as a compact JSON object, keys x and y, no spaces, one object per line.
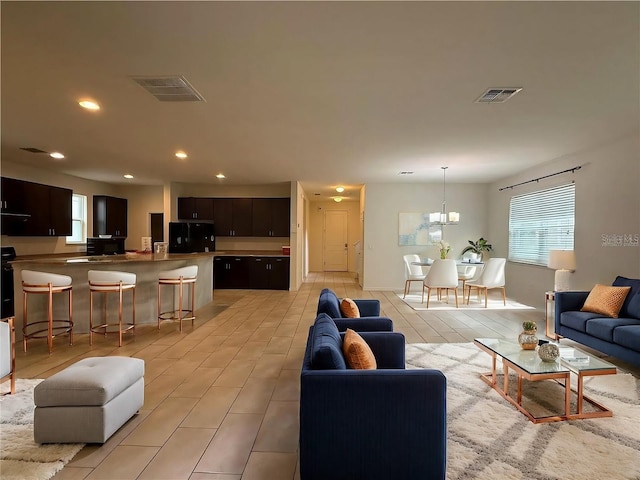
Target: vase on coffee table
{"x":528,"y":339}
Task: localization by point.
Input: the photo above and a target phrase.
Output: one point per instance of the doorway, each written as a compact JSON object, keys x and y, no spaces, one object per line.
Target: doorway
{"x":157,"y":227}
{"x":335,"y":247}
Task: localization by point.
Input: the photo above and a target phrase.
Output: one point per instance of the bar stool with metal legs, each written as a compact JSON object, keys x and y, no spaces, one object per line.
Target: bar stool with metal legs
{"x":44,"y":283}
{"x":111,"y":282}
{"x":178,"y":277}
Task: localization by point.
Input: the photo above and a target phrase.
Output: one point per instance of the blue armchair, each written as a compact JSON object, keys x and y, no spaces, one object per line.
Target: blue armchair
{"x":369,"y":424}
{"x":369,"y":321}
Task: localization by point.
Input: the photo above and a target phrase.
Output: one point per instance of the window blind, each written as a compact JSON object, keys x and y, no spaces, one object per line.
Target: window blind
{"x":541,"y":221}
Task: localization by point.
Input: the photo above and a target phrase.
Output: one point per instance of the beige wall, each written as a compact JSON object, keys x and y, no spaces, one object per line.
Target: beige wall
{"x":607,"y":202}
{"x":316,"y":229}
{"x":141,"y":201}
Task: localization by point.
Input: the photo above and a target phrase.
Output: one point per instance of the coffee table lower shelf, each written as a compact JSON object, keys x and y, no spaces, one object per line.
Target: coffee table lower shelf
{"x":563,"y":378}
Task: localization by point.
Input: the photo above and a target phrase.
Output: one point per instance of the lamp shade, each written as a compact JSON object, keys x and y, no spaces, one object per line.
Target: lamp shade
{"x":562,"y":260}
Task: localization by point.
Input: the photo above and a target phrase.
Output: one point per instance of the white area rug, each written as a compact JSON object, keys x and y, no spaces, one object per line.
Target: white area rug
{"x":488,"y":438}
{"x":494,"y":303}
{"x":20,"y":457}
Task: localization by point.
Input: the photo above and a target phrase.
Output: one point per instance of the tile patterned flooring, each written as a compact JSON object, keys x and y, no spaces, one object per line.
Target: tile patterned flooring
{"x":221,"y":399}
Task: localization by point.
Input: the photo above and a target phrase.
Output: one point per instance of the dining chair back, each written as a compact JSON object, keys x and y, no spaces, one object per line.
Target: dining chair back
{"x":412,"y":273}
{"x":492,"y":277}
{"x":443,"y":275}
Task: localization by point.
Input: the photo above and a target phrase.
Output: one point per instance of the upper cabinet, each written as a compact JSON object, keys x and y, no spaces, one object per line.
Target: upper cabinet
{"x":34,"y":209}
{"x":232,"y":217}
{"x":193,"y":208}
{"x":109,"y":216}
{"x":239,"y":217}
{"x":271,"y":217}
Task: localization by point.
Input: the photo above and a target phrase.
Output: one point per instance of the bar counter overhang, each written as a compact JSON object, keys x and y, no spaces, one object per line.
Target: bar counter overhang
{"x":145,"y":266}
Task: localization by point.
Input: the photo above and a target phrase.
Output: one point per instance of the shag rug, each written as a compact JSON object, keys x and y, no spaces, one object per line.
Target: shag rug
{"x":20,"y":457}
{"x":414,"y":300}
{"x":488,"y":438}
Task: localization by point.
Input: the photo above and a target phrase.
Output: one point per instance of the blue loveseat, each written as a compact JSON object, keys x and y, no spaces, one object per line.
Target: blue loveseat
{"x":369,"y":424}
{"x":618,"y":337}
{"x":369,"y":321}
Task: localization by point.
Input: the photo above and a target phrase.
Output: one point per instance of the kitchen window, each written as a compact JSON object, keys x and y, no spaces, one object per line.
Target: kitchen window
{"x":78,"y":219}
{"x":541,"y":221}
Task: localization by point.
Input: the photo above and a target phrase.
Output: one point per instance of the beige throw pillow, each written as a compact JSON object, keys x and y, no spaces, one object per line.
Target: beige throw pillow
{"x":605,"y":300}
{"x":349,"y":308}
{"x":357,"y":353}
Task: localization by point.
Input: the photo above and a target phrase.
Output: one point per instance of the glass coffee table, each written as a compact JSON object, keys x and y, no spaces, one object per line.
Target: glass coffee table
{"x":527,"y":365}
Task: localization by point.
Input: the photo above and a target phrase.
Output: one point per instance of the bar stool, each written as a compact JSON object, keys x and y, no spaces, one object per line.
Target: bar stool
{"x":111,"y":282}
{"x":180,"y":277}
{"x":44,"y":283}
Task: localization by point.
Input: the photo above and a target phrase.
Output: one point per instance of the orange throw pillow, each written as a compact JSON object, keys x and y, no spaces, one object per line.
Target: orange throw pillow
{"x":605,"y":300}
{"x":349,"y":308}
{"x":357,"y":353}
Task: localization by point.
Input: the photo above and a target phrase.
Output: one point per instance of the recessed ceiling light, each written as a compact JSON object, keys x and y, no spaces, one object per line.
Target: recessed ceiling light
{"x":220,"y":175}
{"x":337,"y":199}
{"x":339,"y":189}
{"x":181,"y":154}
{"x":128,"y":176}
{"x":89,"y":105}
{"x":56,"y":155}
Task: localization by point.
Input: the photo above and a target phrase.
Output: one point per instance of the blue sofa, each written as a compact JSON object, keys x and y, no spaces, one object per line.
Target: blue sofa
{"x":369,"y":424}
{"x":369,"y":321}
{"x":618,"y":337}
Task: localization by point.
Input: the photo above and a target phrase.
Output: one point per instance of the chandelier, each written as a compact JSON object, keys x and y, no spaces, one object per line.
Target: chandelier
{"x":442,"y":217}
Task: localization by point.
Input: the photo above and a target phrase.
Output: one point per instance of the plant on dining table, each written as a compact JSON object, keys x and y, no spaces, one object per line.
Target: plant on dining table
{"x":478,"y":247}
{"x":444,"y":249}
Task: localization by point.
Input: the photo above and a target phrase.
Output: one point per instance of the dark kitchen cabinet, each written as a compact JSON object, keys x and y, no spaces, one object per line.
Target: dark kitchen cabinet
{"x":270,"y":217}
{"x":35,"y":210}
{"x":231,"y":272}
{"x":193,"y":208}
{"x":232,"y":217}
{"x":269,"y":273}
{"x":109,"y":216}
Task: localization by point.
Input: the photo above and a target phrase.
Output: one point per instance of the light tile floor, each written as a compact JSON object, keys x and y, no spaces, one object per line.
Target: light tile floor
{"x":221,"y":399}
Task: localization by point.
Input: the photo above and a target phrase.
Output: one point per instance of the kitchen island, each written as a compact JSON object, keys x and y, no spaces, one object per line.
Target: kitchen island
{"x":145,"y":266}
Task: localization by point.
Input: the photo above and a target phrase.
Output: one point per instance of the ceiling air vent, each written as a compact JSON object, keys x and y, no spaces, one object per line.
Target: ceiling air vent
{"x":169,"y":88}
{"x":405,"y":173}
{"x":32,"y":150}
{"x":498,"y":95}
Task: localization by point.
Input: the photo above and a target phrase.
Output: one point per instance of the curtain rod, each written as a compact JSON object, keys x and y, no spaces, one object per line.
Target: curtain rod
{"x":541,"y":178}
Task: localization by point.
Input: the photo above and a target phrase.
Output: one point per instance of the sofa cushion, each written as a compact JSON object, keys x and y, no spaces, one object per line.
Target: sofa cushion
{"x":349,"y":308}
{"x":605,"y":300}
{"x":604,"y":327}
{"x":328,"y":303}
{"x":577,"y":320}
{"x":326,"y":346}
{"x":633,"y":308}
{"x":628,"y":336}
{"x":357,"y":352}
{"x":634,"y":283}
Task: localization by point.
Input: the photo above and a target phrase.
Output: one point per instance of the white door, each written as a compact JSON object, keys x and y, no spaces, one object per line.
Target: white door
{"x":335,"y":249}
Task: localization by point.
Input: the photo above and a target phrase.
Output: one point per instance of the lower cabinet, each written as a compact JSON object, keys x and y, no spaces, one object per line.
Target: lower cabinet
{"x":251,"y":272}
{"x":270,"y":273}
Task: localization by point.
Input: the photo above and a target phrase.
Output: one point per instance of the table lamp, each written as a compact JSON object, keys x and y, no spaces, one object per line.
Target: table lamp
{"x":563,"y":262}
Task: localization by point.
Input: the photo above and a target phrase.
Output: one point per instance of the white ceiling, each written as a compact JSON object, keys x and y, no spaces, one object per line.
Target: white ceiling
{"x":326,"y":93}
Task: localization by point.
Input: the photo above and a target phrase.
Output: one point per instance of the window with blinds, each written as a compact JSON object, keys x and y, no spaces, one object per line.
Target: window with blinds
{"x":78,"y":219}
{"x":541,"y":221}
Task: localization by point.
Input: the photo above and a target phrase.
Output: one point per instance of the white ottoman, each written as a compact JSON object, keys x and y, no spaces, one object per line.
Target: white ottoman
{"x":88,"y":401}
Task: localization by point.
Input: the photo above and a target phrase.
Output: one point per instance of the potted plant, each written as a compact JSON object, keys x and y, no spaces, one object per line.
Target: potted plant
{"x":478,"y":247}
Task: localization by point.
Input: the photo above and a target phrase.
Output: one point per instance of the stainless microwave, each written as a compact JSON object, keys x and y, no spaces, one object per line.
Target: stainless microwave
{"x":105,"y":246}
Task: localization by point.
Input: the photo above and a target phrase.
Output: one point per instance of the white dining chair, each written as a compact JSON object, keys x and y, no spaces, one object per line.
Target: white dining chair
{"x":443,"y":275}
{"x":412,"y":273}
{"x":468,"y":272}
{"x":492,"y":277}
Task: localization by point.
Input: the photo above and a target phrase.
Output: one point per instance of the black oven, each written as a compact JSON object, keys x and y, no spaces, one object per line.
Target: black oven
{"x":6,"y":287}
{"x":105,"y":246}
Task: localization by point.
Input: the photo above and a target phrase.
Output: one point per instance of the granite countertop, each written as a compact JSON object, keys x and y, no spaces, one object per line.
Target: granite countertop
{"x":71,"y":259}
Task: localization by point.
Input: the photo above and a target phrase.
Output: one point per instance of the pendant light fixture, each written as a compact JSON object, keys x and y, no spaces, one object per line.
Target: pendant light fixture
{"x":442,"y":217}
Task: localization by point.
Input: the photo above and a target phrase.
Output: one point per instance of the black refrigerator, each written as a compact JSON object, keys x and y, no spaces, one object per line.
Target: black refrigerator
{"x":187,"y":237}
